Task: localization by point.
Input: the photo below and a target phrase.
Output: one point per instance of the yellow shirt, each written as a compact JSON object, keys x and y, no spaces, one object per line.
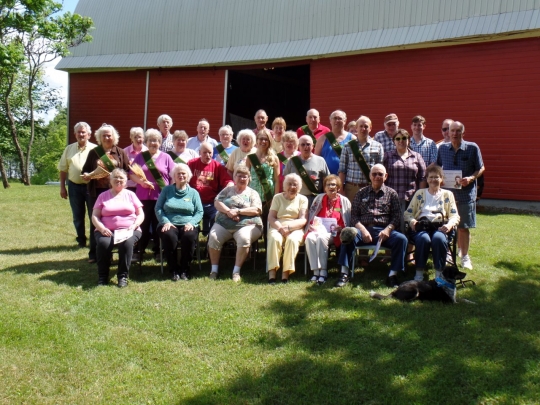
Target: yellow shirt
{"x":73,"y":160}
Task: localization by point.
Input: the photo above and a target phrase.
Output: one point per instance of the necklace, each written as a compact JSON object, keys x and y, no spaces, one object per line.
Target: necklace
{"x":330,"y":207}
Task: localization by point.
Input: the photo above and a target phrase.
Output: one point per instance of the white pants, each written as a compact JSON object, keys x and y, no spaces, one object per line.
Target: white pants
{"x":317,"y":251}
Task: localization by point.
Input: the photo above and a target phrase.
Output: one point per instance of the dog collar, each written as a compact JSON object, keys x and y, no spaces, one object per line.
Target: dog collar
{"x":444,"y":284}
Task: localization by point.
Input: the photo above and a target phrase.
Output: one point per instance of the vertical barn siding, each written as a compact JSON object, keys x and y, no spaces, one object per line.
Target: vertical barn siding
{"x":116,"y":98}
{"x":187,"y":96}
{"x":490,"y":87}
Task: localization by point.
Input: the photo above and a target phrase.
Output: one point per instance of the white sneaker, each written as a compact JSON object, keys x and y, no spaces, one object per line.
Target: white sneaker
{"x":213,"y":275}
{"x":236,"y":277}
{"x":419,"y":277}
{"x":466,"y":262}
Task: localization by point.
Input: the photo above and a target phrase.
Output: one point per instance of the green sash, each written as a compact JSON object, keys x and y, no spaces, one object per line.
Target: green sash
{"x":153,"y":169}
{"x":109,"y":165}
{"x":307,"y":131}
{"x":223,"y":153}
{"x":282,"y":158}
{"x":175,"y":157}
{"x":255,"y":162}
{"x":331,"y":138}
{"x":303,"y":174}
{"x":359,"y":157}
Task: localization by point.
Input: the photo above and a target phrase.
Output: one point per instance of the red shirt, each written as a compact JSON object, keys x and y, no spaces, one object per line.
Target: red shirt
{"x":320,"y":131}
{"x":208,"y":179}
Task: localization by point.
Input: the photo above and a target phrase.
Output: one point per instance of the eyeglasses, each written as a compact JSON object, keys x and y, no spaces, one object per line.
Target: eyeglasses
{"x":391,"y":124}
{"x":444,"y":129}
{"x":331,"y":185}
{"x":306,"y":144}
{"x":263,"y":140}
{"x":242,"y":176}
{"x":377,"y":174}
{"x":400,"y":138}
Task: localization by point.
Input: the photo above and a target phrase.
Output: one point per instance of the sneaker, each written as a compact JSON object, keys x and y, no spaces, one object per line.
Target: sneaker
{"x":466,"y":262}
{"x":122,"y":282}
{"x":236,"y":277}
{"x":184,"y":276}
{"x":175,"y":277}
{"x":419,"y":277}
{"x":343,"y":280}
{"x":314,"y":279}
{"x":213,"y":275}
{"x":321,"y":280}
{"x":392,"y":281}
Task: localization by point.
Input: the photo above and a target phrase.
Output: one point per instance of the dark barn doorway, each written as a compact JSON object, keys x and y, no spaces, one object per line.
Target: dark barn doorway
{"x":281,"y":92}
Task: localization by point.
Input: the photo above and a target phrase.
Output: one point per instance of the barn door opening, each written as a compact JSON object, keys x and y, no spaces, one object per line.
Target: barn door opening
{"x":281,"y":92}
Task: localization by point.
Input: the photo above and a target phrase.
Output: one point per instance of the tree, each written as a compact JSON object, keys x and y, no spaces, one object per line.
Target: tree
{"x":30,"y":36}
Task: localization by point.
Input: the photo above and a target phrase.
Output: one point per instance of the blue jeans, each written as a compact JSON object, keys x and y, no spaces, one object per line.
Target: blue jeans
{"x":80,"y":202}
{"x":397,"y":242}
{"x":208,"y":218}
{"x":438,"y":241}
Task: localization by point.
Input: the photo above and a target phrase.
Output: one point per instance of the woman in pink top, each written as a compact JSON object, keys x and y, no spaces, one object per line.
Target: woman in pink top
{"x":116,"y":209}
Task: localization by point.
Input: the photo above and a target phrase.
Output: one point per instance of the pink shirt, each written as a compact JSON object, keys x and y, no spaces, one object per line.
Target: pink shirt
{"x":132,"y":154}
{"x":118,"y":212}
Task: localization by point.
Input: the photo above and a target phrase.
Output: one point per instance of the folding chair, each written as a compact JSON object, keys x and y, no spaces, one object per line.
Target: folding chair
{"x":369,"y":248}
{"x":197,"y":250}
{"x":228,"y":250}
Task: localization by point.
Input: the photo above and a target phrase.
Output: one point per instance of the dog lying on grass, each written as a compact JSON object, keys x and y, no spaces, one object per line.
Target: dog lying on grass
{"x":442,"y":289}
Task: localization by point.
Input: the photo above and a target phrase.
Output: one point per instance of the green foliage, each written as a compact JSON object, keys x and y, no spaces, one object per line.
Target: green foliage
{"x":49,"y":145}
{"x":65,"y":341}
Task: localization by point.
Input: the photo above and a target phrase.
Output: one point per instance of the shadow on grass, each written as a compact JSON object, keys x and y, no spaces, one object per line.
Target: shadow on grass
{"x":518,"y":267}
{"x":43,"y":249}
{"x":342,"y":347}
{"x":80,"y":273}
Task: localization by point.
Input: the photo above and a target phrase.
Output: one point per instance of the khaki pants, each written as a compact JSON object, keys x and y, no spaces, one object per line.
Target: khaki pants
{"x":350,"y":191}
{"x":275,"y":246}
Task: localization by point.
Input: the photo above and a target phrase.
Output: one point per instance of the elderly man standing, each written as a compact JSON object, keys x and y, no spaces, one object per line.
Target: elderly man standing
{"x":70,"y":167}
{"x":465,"y":156}
{"x":385,"y":138}
{"x":310,"y":167}
{"x":202,"y":136}
{"x":209,"y":178}
{"x":330,"y":146}
{"x":313,"y":128}
{"x":376,"y":214}
{"x":223,"y":150}
{"x":420,"y":144}
{"x":165,"y":123}
{"x":260,"y":120}
{"x":357,"y":159}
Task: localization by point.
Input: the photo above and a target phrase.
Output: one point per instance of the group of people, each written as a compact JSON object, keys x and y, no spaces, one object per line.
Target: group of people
{"x":293,"y":188}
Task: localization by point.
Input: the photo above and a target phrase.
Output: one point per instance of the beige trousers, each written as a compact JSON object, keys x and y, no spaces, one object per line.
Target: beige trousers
{"x":275,"y":246}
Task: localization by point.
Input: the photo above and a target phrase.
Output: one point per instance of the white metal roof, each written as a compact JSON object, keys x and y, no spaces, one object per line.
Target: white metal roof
{"x":135,"y":34}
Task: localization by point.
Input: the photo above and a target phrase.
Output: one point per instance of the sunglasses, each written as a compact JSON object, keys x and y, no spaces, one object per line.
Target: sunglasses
{"x":377,"y":174}
{"x":391,"y":124}
{"x":444,"y":129}
{"x":400,"y":138}
{"x":306,"y":144}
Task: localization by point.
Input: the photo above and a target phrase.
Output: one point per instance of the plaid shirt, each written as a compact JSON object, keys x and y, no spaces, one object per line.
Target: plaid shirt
{"x":404,"y":176}
{"x":468,"y":159}
{"x":167,"y":143}
{"x":385,"y":140}
{"x":376,"y":208}
{"x":373,"y":153}
{"x":427,"y":148}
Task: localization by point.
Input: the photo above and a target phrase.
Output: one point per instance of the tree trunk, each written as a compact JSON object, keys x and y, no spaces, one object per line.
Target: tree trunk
{"x":3,"y":173}
{"x":14,"y":134}
{"x":32,"y":125}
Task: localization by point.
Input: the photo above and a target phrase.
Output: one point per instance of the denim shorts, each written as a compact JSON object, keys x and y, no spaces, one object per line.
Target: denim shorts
{"x":467,"y":215}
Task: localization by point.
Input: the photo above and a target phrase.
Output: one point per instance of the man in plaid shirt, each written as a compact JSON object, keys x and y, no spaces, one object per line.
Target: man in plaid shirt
{"x":349,"y":171}
{"x":419,"y":143}
{"x":376,"y":213}
{"x":465,"y":156}
{"x":391,"y":125}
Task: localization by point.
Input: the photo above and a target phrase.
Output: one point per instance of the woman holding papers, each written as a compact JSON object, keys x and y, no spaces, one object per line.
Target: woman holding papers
{"x":329,"y":213}
{"x":117,"y":215}
{"x":431,"y":215}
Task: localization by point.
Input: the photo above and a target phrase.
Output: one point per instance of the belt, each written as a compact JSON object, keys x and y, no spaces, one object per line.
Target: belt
{"x":356,"y":184}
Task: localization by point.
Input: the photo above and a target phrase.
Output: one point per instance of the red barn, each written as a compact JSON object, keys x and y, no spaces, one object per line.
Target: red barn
{"x":476,"y":62}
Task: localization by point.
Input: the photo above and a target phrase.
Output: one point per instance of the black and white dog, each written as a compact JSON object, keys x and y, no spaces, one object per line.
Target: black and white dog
{"x":442,"y":289}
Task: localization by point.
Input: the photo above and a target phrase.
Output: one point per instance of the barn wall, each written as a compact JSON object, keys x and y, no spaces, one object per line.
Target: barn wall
{"x":491,"y":87}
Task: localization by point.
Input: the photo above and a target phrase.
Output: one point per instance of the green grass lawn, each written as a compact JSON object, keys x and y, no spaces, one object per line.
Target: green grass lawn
{"x":65,"y":341}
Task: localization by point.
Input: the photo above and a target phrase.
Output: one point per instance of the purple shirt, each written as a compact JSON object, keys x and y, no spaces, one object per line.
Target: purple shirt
{"x":404,"y":175}
{"x":132,"y":154}
{"x":164,"y":164}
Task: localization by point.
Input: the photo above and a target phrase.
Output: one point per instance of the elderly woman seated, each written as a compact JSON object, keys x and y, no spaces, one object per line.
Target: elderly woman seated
{"x":431,"y":216}
{"x":116,"y":209}
{"x":335,"y":209}
{"x":287,"y":219}
{"x":179,"y":211}
{"x":239,"y":209}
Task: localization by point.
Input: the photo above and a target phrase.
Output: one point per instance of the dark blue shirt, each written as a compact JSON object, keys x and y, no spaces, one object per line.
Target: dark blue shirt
{"x":468,"y":159}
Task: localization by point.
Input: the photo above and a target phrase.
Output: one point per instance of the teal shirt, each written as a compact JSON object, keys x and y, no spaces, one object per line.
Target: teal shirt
{"x":179,"y":207}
